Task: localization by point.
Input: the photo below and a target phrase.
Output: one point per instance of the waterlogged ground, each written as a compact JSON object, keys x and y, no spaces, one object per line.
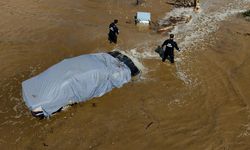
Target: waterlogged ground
{"x":200,"y":103}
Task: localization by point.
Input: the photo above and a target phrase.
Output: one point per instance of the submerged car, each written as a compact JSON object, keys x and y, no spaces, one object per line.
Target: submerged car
{"x":76,"y":80}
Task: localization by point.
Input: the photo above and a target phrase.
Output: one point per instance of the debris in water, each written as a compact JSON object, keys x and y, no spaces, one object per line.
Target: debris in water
{"x":182,"y":3}
{"x":44,"y":144}
{"x":169,"y":24}
{"x":247,"y":34}
{"x":149,"y":125}
{"x":246,"y":13}
{"x":93,"y":104}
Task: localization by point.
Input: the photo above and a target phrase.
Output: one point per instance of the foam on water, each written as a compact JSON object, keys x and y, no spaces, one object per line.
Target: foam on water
{"x":136,"y":57}
{"x":190,"y":34}
{"x":204,"y":22}
{"x":201,"y":25}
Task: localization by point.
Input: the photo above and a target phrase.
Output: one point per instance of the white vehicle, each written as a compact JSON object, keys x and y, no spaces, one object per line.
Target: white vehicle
{"x":76,"y":80}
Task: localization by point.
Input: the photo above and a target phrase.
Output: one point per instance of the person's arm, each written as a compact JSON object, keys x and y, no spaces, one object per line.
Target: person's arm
{"x":111,"y":27}
{"x":117,"y":30}
{"x":164,"y":43}
{"x":176,"y":46}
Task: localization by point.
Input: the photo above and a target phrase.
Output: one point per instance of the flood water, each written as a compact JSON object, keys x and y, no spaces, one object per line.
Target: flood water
{"x":201,"y":102}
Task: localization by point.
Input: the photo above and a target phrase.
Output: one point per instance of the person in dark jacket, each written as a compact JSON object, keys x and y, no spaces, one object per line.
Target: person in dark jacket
{"x":169,"y":44}
{"x":113,"y":32}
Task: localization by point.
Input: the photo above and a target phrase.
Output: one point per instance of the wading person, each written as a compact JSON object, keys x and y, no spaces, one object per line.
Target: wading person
{"x":169,"y":45}
{"x":113,"y":32}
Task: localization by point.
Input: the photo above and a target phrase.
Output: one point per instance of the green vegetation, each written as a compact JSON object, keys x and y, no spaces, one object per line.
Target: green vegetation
{"x":246,"y":14}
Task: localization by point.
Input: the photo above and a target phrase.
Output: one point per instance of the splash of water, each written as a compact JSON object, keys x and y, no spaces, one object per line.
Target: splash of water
{"x":206,"y":22}
{"x":201,"y":26}
{"x":136,"y":57}
{"x":192,"y":33}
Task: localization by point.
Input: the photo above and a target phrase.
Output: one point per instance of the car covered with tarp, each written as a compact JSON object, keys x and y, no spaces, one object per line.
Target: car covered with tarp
{"x":75,"y":80}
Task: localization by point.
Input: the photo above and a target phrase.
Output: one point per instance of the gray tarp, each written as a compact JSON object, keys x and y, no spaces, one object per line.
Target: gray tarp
{"x":74,"y":80}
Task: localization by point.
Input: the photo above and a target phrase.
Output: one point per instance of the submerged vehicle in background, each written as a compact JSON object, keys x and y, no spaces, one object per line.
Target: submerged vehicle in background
{"x":76,"y":80}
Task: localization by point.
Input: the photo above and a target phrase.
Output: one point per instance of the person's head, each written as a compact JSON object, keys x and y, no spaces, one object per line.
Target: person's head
{"x":115,"y":21}
{"x":171,"y":36}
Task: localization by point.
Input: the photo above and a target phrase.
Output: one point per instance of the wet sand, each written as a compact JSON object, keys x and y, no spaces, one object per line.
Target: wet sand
{"x":208,"y":109}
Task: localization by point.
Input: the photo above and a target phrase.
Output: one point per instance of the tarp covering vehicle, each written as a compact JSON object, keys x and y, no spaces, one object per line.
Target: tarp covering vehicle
{"x":76,"y":80}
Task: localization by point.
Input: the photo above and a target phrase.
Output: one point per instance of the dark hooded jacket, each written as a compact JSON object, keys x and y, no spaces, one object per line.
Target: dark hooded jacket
{"x":170,"y":45}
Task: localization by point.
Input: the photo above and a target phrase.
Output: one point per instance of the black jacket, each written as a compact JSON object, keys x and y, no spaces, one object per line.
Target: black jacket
{"x":113,"y":29}
{"x":170,"y":45}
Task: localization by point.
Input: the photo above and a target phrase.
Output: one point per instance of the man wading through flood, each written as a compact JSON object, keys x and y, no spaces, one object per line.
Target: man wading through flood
{"x":169,"y":45}
{"x":113,"y":32}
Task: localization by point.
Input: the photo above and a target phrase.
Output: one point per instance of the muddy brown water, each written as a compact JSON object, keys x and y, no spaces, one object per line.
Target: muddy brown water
{"x":205,"y":108}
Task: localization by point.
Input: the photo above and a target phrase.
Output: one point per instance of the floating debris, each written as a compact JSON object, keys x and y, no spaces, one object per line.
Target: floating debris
{"x":182,"y":3}
{"x":149,"y":125}
{"x":169,"y":24}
